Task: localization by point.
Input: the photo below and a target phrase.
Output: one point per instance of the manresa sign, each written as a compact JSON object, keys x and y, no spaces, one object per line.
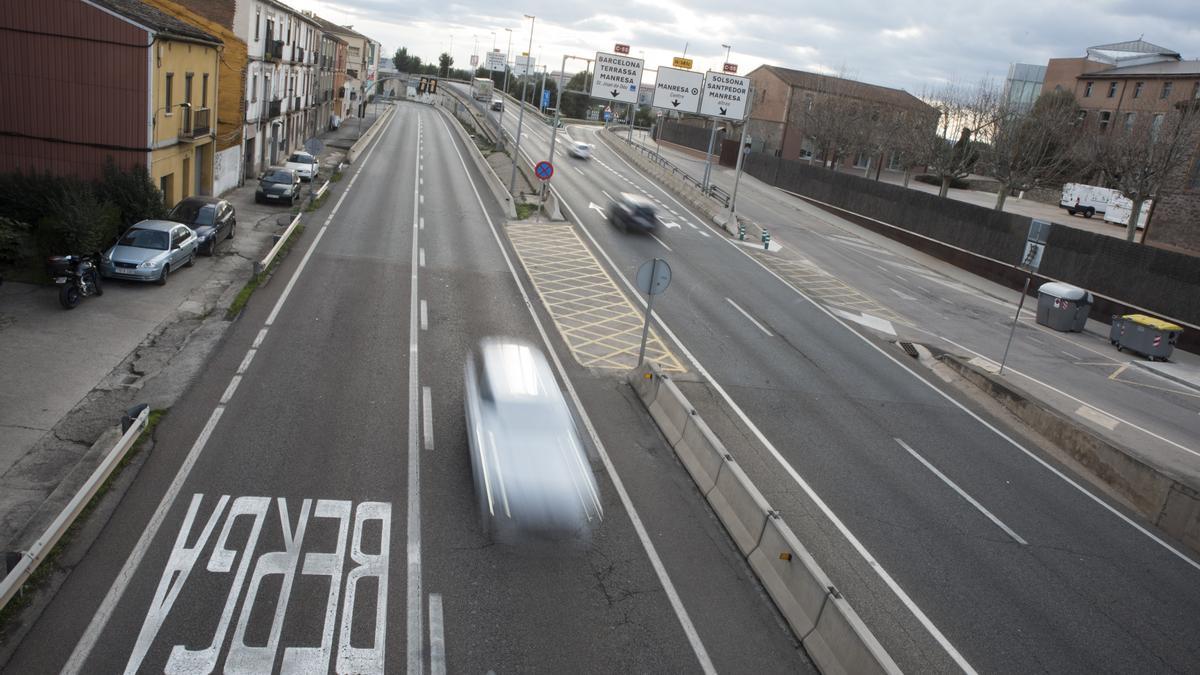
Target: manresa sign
{"x":617,"y":77}
{"x":676,"y":89}
{"x":725,"y":96}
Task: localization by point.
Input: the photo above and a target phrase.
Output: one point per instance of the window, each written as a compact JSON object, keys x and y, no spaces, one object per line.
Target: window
{"x":1087,"y":91}
{"x":204,"y":92}
{"x":1166,"y":91}
{"x":187,"y":88}
{"x":1105,"y":116}
{"x":169,"y":93}
{"x":1196,"y":90}
{"x":1155,"y":125}
{"x":1081,"y":118}
{"x":1137,"y":89}
{"x":254,"y":88}
{"x":1112,"y":89}
{"x":861,"y":160}
{"x":257,"y":22}
{"x":1129,"y":120}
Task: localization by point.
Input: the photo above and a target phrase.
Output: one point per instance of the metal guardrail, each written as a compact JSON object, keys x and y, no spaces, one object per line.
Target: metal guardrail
{"x":11,"y":584}
{"x":714,"y":192}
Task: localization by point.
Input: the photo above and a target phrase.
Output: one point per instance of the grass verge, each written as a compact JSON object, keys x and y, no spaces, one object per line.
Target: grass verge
{"x":49,"y":564}
{"x":243,"y":296}
{"x":525,"y":210}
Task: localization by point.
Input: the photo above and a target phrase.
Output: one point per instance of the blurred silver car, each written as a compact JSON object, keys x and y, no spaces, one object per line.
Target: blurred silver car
{"x":532,"y":475}
{"x":150,"y":251}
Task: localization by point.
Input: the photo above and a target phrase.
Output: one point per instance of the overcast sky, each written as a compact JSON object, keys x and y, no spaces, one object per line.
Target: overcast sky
{"x":912,"y":44}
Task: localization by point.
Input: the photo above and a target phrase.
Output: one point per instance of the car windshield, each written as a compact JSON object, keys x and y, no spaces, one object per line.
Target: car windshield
{"x":301,"y":158}
{"x":277,"y":177}
{"x":194,"y":213}
{"x":139,"y":238}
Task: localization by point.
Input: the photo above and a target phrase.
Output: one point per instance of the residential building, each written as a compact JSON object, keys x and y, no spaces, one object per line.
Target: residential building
{"x":89,"y":80}
{"x":1023,"y":85}
{"x":227,"y":165}
{"x":332,"y":47}
{"x":280,"y":79}
{"x":781,"y":98}
{"x":1118,"y":84}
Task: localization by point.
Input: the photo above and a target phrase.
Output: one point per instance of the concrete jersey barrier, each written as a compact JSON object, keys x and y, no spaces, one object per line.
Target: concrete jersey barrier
{"x":834,"y":636}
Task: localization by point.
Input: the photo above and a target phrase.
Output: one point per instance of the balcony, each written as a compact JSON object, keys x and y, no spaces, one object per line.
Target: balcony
{"x":274,"y":108}
{"x":194,"y":124}
{"x":296,"y":104}
{"x":352,"y":73}
{"x":274,"y":49}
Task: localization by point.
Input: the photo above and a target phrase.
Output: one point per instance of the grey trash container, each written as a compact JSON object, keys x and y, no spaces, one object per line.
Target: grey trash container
{"x":1144,"y":334}
{"x":1063,"y":306}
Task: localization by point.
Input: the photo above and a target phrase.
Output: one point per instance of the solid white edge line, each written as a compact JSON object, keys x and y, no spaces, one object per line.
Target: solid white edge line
{"x":91,"y":635}
{"x":427,"y":416}
{"x":416,"y":643}
{"x":962,"y":493}
{"x":437,"y":638}
{"x":660,"y":570}
{"x":927,"y":383}
{"x":874,"y":564}
{"x":747,"y":315}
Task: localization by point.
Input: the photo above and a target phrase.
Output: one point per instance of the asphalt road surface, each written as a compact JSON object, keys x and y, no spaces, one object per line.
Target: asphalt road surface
{"x":308,"y":506}
{"x":962,"y":547}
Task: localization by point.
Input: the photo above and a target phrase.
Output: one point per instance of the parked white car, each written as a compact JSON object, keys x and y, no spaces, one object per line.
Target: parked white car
{"x":304,"y":164}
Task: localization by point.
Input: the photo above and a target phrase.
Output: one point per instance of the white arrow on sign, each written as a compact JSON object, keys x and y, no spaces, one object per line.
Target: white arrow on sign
{"x":617,"y":77}
{"x":594,"y":205}
{"x":725,"y":95}
{"x":676,"y":89}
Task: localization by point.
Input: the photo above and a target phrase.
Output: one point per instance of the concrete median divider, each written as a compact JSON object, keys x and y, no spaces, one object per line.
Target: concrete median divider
{"x":362,"y":143}
{"x":834,"y":636}
{"x":495,"y":185}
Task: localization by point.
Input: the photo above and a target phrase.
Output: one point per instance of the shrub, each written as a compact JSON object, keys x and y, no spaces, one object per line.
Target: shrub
{"x":16,"y":241}
{"x":78,"y":223}
{"x":132,"y":192}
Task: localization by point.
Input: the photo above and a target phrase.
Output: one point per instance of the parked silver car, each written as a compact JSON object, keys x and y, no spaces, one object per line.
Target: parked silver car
{"x":532,"y":474}
{"x":150,"y":251}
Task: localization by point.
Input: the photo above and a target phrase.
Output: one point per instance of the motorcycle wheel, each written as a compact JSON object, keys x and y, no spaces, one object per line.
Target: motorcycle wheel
{"x":96,"y":284}
{"x":68,"y":295}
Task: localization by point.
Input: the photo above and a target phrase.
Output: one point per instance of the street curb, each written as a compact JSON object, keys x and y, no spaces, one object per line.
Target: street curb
{"x":499,"y":192}
{"x":1166,"y":501}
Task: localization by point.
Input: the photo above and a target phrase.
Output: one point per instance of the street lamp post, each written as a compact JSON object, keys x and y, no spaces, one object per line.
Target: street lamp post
{"x":712,"y":138}
{"x":558,"y":100}
{"x":512,"y":180}
{"x":506,"y":55}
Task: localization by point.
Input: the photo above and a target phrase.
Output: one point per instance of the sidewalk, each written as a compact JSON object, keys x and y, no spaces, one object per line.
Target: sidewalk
{"x":70,"y":374}
{"x":1150,"y":411}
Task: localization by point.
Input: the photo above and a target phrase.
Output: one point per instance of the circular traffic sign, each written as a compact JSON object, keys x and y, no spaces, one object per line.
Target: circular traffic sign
{"x":544,"y":170}
{"x":654,"y":276}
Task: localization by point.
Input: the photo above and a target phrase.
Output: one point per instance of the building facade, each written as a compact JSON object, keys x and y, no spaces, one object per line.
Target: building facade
{"x":1121,"y":84}
{"x":133,"y":84}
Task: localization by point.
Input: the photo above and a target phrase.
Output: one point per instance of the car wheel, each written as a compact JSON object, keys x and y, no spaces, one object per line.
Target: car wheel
{"x":1089,"y":213}
{"x":162,"y":276}
{"x":191,"y":259}
{"x":232,"y":227}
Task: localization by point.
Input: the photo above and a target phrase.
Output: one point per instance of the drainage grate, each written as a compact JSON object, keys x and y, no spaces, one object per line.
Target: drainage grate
{"x":908,"y":348}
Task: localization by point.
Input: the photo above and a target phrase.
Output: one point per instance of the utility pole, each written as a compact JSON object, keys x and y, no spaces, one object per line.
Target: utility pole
{"x":512,"y":180}
{"x":506,"y":55}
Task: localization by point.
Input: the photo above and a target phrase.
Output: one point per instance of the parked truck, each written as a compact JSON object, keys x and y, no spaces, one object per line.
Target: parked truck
{"x":1087,"y":200}
{"x":481,"y":89}
{"x":1120,"y":208}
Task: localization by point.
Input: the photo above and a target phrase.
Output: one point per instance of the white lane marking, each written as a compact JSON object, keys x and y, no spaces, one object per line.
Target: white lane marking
{"x":607,"y":196}
{"x":87,"y":641}
{"x":962,"y":493}
{"x":1090,"y":414}
{"x":581,"y":173}
{"x":262,"y":334}
{"x":421,"y":181}
{"x":416,"y":638}
{"x":287,"y":290}
{"x":437,"y":640}
{"x":670,"y":224}
{"x":660,"y":570}
{"x":230,"y":388}
{"x":422,"y":256}
{"x":241,"y":369}
{"x":874,"y":564}
{"x":664,"y":244}
{"x":596,"y":207}
{"x":424,"y":316}
{"x":704,"y":234}
{"x":690,"y":225}
{"x":747,"y":315}
{"x":421,"y":199}
{"x":427,"y":416}
{"x":902,"y":294}
{"x":868,"y":320}
{"x":1070,"y":355}
{"x":422,"y":221}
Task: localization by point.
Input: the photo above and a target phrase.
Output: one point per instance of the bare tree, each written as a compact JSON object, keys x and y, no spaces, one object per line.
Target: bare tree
{"x":1028,"y":149}
{"x":909,"y":135}
{"x":1137,"y":155}
{"x":968,"y":113}
{"x":834,"y":119}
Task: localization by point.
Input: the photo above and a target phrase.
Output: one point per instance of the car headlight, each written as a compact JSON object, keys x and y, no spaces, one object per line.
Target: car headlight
{"x":149,"y":264}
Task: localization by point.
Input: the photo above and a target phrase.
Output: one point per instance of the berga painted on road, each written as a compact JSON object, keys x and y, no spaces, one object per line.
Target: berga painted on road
{"x":832,"y":633}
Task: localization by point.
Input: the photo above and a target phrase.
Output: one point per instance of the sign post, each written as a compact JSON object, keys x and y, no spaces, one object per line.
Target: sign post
{"x":725,"y":97}
{"x":1035,"y":246}
{"x":653,"y":277}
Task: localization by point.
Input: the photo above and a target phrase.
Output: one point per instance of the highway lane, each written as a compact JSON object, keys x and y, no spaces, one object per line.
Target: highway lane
{"x":1073,"y":596}
{"x":302,"y":483}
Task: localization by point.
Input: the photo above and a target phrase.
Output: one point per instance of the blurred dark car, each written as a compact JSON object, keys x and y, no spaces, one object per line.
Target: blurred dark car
{"x":211,"y":218}
{"x":631,"y":212}
{"x":532,"y":474}
{"x":278,"y":185}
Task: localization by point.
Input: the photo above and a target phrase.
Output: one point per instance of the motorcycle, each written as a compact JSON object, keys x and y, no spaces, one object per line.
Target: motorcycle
{"x":77,"y":276}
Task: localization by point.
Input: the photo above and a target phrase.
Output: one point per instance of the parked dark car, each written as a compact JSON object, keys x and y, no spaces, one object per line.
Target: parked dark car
{"x":629,"y":211}
{"x":211,"y":218}
{"x":278,"y":185}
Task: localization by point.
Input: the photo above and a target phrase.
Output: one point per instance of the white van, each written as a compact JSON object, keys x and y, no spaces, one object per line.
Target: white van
{"x":1087,"y":200}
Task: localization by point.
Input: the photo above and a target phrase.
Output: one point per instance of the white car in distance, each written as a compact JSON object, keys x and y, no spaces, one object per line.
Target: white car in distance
{"x":304,"y":164}
{"x":579,"y":149}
